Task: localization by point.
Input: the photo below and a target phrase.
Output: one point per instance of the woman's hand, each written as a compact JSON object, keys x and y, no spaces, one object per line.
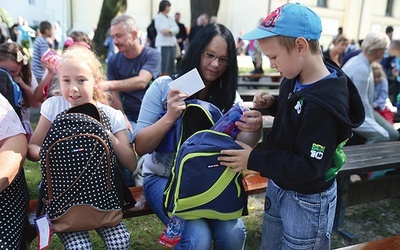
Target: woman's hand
{"x":175,"y":104}
{"x":262,"y":100}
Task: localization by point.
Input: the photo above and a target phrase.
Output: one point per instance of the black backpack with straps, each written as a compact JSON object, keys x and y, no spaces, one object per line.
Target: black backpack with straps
{"x":11,"y":91}
{"x":82,"y":186}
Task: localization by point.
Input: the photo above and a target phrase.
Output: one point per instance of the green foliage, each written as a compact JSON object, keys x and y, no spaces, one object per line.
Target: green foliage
{"x":32,"y":175}
{"x":109,"y":10}
{"x":6,"y":17}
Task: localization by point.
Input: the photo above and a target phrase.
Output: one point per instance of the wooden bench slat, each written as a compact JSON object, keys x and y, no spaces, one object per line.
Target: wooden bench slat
{"x":373,"y":190}
{"x":141,"y":207}
{"x":390,"y":243}
{"x":248,"y":94}
{"x":259,"y":84}
{"x":255,"y":184}
{"x":276,"y":77}
{"x":370,"y":157}
{"x":362,"y":159}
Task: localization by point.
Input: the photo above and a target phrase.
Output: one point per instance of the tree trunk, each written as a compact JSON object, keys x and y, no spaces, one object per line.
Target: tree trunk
{"x":198,"y":7}
{"x":109,"y":10}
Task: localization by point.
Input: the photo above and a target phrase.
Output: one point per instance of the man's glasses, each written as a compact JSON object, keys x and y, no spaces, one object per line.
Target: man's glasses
{"x":221,"y":60}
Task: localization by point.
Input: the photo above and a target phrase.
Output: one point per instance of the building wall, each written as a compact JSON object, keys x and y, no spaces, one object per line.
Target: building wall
{"x":357,"y":17}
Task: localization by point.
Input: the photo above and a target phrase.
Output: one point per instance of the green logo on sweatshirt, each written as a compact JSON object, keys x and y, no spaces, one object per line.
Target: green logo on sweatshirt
{"x":317,"y":151}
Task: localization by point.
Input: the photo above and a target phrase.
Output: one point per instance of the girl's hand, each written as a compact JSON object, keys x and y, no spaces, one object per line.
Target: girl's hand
{"x":20,"y":82}
{"x":262,"y":100}
{"x":50,"y":67}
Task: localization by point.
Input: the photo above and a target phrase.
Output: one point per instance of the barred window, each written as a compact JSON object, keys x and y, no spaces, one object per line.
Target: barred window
{"x":389,"y":7}
{"x":322,"y":3}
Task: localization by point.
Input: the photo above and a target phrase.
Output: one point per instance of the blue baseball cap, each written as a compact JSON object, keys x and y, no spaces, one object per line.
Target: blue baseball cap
{"x":292,"y":20}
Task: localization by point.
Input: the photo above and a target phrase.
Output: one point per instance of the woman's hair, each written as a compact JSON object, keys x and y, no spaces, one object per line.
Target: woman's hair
{"x":163,"y":5}
{"x":82,"y":54}
{"x":222,"y":91}
{"x":374,"y":41}
{"x":78,"y":37}
{"x":377,"y":69}
{"x":340,"y":38}
{"x":13,"y":51}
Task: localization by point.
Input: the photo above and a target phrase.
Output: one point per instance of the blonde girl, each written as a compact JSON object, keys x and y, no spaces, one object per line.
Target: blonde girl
{"x":80,"y":74}
{"x":381,"y":92}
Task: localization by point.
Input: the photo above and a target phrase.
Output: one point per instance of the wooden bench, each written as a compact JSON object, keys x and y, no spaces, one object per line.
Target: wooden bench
{"x":248,"y":94}
{"x":254,"y":184}
{"x":260,"y":84}
{"x":362,"y":159}
{"x":275,"y":77}
{"x":390,"y":243}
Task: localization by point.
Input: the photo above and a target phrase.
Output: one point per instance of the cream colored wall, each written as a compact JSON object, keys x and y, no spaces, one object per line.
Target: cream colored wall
{"x":374,"y":19}
{"x":357,"y":17}
{"x":85,"y":14}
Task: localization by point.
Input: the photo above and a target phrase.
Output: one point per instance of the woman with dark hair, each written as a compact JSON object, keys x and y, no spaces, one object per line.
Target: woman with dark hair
{"x":213,"y":54}
{"x":166,"y":28}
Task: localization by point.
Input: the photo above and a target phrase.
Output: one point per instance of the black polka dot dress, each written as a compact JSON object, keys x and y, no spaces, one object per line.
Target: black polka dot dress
{"x":13,"y":212}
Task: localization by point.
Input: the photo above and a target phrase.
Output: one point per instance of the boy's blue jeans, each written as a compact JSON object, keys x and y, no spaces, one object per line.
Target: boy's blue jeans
{"x":298,"y":221}
{"x":198,"y":234}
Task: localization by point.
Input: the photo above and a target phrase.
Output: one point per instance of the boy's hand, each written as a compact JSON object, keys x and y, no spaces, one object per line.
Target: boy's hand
{"x":262,"y":100}
{"x":236,"y":159}
{"x":251,"y":121}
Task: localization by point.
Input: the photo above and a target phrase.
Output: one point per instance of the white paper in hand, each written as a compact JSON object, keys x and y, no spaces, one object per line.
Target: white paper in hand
{"x":43,"y":231}
{"x":189,"y":83}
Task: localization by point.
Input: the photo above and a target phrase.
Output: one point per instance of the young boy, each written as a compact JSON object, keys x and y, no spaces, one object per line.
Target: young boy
{"x":317,"y":107}
{"x":39,"y":47}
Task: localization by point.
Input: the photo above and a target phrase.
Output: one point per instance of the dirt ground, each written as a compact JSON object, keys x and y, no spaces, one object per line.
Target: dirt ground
{"x":370,"y":221}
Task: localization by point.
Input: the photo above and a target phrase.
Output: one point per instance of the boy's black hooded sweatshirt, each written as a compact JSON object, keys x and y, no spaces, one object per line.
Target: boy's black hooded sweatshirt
{"x":304,"y":149}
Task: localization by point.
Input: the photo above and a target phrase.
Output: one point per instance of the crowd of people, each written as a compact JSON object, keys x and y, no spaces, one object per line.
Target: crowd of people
{"x":322,"y":102}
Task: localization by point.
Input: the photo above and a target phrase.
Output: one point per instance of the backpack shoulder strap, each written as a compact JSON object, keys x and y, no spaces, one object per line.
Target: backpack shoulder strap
{"x":11,"y":91}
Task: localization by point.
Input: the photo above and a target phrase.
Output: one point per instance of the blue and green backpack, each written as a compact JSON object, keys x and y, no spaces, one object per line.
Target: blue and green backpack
{"x":199,"y":187}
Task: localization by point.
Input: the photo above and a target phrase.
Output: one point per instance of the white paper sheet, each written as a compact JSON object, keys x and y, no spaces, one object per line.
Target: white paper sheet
{"x":189,"y":83}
